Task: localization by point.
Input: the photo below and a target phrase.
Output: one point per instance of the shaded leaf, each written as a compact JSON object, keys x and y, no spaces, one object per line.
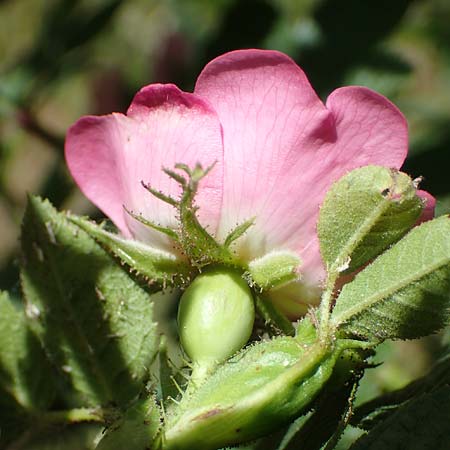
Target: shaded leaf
{"x":274,"y":320}
{"x":75,"y":437}
{"x":363,"y":213}
{"x":25,"y":373}
{"x":404,"y":293}
{"x":136,"y":430}
{"x":371,"y":413}
{"x":94,"y":320}
{"x":420,"y":424}
{"x":167,"y":374}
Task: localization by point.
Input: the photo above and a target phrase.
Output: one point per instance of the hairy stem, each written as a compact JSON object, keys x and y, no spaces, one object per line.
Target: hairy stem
{"x":325,"y":305}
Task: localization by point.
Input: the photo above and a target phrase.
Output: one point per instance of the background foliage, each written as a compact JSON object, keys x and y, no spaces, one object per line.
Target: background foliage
{"x":60,"y":59}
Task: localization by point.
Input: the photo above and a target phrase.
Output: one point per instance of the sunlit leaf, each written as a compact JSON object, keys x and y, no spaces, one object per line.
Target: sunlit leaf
{"x":404,"y":293}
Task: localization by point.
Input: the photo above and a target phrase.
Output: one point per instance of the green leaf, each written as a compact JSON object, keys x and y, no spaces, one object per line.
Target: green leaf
{"x":311,"y":432}
{"x":136,"y":430}
{"x":95,"y":322}
{"x":404,"y":293}
{"x":25,"y":373}
{"x":157,"y":266}
{"x":420,"y":424}
{"x":331,"y":411}
{"x":363,"y":213}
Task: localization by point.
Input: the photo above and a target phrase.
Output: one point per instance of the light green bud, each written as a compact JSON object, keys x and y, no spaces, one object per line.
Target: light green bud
{"x":215,"y":316}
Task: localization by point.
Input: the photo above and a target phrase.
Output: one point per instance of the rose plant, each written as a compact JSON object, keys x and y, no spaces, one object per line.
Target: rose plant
{"x":284,"y":230}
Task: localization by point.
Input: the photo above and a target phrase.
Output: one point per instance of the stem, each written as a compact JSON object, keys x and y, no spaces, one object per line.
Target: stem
{"x":77,"y":415}
{"x":200,"y":372}
{"x":345,"y":419}
{"x":30,"y":124}
{"x":325,"y":305}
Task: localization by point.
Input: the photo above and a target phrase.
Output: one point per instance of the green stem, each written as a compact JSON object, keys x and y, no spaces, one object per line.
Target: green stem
{"x":325,"y":305}
{"x":77,"y":415}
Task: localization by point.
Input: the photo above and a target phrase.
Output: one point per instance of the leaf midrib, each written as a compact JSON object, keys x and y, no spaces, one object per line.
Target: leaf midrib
{"x":384,"y":294}
{"x":359,"y":234}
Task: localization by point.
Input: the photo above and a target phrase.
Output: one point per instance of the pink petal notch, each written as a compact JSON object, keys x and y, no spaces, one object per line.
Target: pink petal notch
{"x":111,"y":157}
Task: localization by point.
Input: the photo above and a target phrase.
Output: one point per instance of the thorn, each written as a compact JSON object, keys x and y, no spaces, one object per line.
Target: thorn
{"x":50,"y":232}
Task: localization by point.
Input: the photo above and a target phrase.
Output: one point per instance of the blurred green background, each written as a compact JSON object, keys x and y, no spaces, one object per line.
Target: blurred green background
{"x":61,"y":59}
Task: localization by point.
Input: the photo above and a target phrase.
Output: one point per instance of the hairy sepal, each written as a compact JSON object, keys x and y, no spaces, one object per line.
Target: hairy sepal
{"x":254,"y":393}
{"x":363,"y":213}
{"x":156,"y":266}
{"x":273,"y":270}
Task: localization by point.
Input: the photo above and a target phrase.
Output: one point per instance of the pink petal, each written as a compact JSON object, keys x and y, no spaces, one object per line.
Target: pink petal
{"x":430,"y":204}
{"x":283,"y":148}
{"x":110,"y":155}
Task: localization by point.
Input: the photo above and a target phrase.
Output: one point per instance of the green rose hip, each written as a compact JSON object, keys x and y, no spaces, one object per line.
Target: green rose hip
{"x":215,"y":318}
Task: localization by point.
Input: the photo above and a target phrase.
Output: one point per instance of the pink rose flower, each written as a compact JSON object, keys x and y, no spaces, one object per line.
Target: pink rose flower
{"x":277,"y":150}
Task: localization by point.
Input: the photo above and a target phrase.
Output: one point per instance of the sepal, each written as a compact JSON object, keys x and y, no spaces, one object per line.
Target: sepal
{"x":364,"y":213}
{"x":158,"y":267}
{"x":260,"y":389}
{"x":273,"y":270}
